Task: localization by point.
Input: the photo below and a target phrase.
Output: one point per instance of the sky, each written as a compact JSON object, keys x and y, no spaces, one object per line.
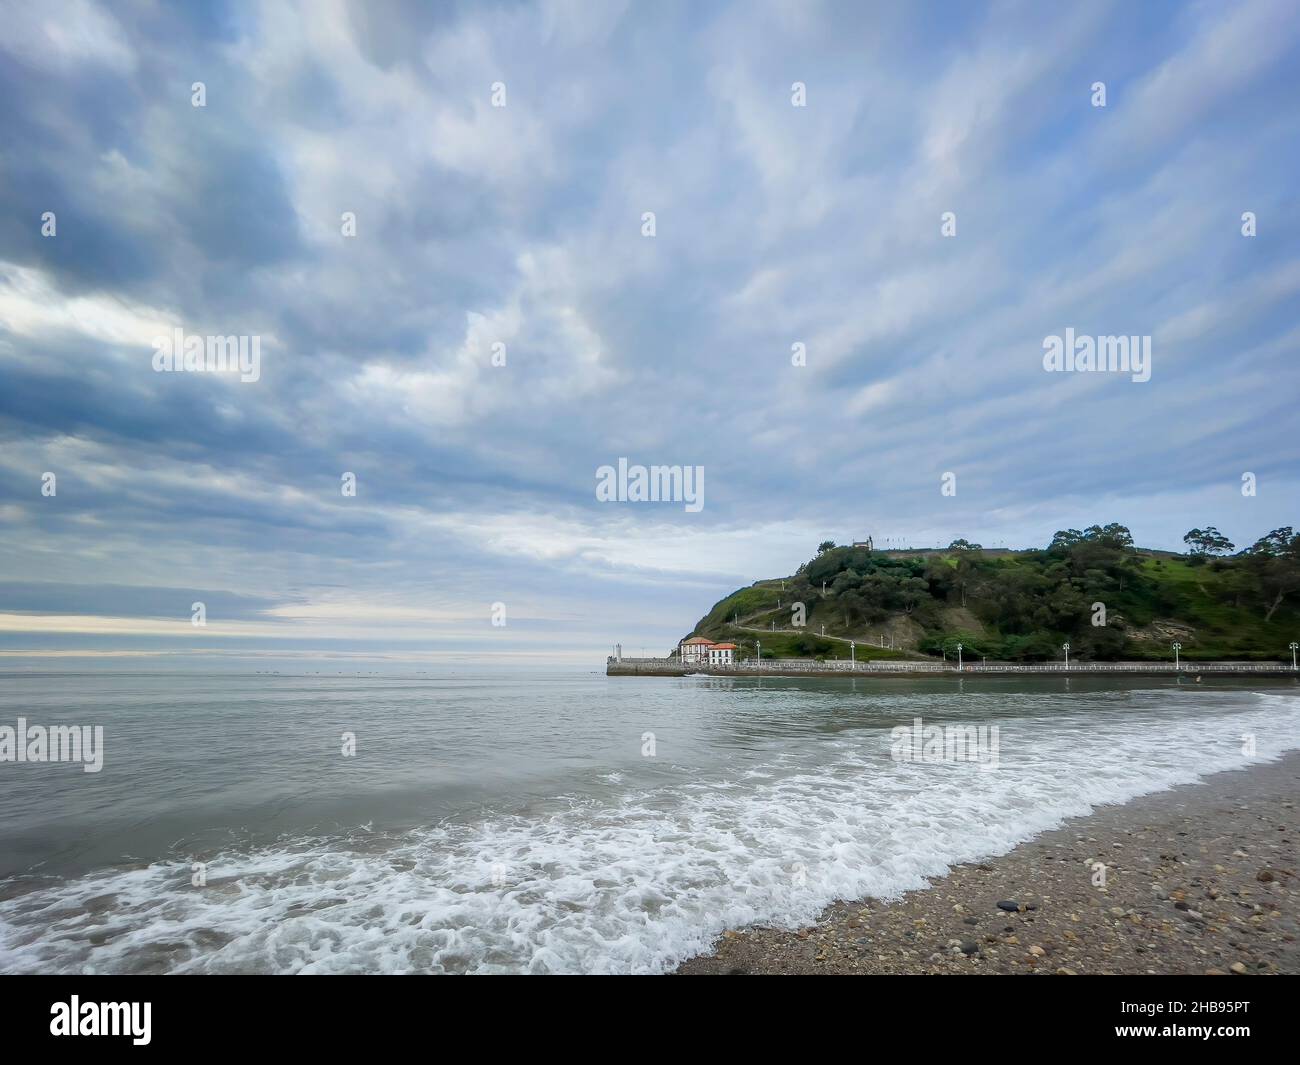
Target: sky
{"x":813,"y":248}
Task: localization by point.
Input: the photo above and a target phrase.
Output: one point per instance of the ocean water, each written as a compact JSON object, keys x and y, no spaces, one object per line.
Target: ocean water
{"x":550,"y":823}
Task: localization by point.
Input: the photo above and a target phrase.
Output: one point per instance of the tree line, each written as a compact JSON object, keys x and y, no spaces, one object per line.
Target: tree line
{"x":1092,"y":588}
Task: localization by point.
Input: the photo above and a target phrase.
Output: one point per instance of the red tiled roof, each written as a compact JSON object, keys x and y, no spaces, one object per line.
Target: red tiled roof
{"x":724,"y":646}
{"x":698,"y":640}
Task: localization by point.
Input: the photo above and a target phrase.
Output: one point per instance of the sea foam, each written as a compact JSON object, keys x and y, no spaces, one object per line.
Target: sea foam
{"x":636,"y":884}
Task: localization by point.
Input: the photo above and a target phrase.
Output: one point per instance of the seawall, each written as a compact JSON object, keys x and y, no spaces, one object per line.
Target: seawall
{"x":644,"y":667}
{"x":801,"y":667}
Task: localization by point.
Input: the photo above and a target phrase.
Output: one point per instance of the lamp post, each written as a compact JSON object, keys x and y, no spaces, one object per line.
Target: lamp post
{"x":760,"y":654}
{"x":1066,"y":648}
{"x":1177,"y":647}
{"x":853,"y":654}
{"x":959,"y":658}
{"x":1294,"y":645}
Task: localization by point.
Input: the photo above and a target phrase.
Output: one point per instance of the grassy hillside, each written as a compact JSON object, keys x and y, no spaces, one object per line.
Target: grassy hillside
{"x":1093,"y":589}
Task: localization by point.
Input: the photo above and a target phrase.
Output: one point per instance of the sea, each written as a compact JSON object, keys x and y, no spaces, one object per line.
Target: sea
{"x":545,"y":821}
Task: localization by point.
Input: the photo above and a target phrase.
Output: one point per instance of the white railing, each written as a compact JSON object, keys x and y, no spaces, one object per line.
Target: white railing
{"x":808,"y":665}
{"x":804,"y":665}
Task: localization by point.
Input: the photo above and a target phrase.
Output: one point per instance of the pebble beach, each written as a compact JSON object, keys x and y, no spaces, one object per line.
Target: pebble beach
{"x":1199,"y":879}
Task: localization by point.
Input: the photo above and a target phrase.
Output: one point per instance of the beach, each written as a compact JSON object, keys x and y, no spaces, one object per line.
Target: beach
{"x":532,"y":822}
{"x":1199,"y":879}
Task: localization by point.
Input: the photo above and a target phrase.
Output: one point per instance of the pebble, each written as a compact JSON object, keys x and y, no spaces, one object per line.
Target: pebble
{"x":1247,"y":909}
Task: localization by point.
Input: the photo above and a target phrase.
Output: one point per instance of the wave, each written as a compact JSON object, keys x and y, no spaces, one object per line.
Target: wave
{"x":635,"y":885}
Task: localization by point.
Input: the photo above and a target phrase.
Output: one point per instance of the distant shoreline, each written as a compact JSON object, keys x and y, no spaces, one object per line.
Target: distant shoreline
{"x":667,"y":667}
{"x":1200,"y":879}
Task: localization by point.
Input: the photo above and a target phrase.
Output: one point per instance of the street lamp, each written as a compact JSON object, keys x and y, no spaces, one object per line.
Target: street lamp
{"x":853,"y":654}
{"x":959,"y":658}
{"x":760,"y":654}
{"x":1066,"y":648}
{"x":1177,"y":647}
{"x":1294,"y":645}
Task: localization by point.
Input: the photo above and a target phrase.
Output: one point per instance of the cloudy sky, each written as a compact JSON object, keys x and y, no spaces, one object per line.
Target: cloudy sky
{"x":522,"y":225}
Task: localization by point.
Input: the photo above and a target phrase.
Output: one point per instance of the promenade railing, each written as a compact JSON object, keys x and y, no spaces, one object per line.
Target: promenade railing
{"x":804,"y":665}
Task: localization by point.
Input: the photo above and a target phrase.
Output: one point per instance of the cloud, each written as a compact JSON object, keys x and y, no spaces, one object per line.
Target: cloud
{"x":63,"y":35}
{"x":521,"y":226}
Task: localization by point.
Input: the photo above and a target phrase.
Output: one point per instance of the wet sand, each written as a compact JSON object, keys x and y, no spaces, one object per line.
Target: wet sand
{"x":1200,"y":879}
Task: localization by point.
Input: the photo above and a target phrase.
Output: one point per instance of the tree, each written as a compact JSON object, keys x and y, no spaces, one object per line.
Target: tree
{"x":1278,"y":542}
{"x":1065,"y":539}
{"x":1112,"y":535}
{"x":913,"y":590}
{"x":854,"y":607}
{"x":1274,"y":560}
{"x":824,"y":546}
{"x":1207,"y":541}
{"x":1102,"y":642}
{"x":846,"y":581}
{"x":966,"y":559}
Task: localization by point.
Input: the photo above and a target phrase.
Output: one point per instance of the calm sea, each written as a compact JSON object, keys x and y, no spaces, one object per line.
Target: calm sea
{"x":518,"y":822}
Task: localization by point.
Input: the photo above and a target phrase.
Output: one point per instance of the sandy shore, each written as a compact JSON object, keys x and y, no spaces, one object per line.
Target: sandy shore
{"x":1200,"y":879}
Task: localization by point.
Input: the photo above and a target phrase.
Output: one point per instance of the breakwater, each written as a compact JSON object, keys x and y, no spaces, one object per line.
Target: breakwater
{"x":804,"y":667}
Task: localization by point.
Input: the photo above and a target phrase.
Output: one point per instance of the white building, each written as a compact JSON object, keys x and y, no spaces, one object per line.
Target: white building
{"x":697,"y":651}
{"x":694,"y":651}
{"x":722,"y":654}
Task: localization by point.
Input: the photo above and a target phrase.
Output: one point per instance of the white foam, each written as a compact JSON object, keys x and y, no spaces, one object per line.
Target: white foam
{"x":633,"y":886}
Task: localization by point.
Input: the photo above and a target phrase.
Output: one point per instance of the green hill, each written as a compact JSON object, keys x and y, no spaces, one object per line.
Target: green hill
{"x":1093,"y":589}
